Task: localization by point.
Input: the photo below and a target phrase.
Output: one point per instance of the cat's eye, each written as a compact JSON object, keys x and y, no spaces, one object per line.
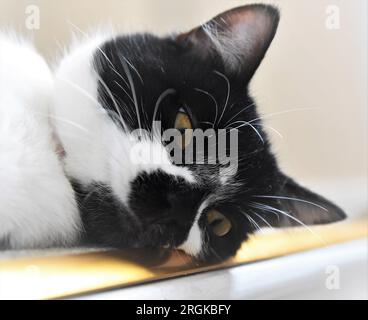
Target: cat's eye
{"x":219,"y":224}
{"x":184,"y":125}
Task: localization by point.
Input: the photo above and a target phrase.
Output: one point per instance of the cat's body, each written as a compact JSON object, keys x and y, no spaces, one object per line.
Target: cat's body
{"x":37,"y":204}
{"x":104,"y":90}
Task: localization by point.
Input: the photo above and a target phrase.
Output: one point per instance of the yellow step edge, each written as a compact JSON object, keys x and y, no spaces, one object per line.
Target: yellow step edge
{"x":57,"y":276}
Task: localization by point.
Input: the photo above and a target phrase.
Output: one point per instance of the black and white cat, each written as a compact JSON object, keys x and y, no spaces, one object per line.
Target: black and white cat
{"x":66,"y":172}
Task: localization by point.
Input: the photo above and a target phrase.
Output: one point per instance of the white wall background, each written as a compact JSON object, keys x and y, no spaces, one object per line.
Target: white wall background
{"x":308,"y":66}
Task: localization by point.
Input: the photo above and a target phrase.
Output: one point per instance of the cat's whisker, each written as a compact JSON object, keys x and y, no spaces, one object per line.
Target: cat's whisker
{"x":293,"y":199}
{"x":64,"y":133}
{"x":246,"y":123}
{"x":227,"y":95}
{"x":130,"y":64}
{"x":129,"y":116}
{"x":270,"y":208}
{"x":271,"y":128}
{"x":121,"y":77}
{"x":134,"y":69}
{"x":85,"y":34}
{"x":214,"y":253}
{"x":125,"y":81}
{"x":236,"y":122}
{"x":91,"y":98}
{"x":231,"y":106}
{"x":107,"y":89}
{"x":214,"y":100}
{"x":81,"y":90}
{"x":280,"y":112}
{"x":208,"y":122}
{"x":252,"y":221}
{"x":132,"y":89}
{"x":64,"y":120}
{"x":116,"y":117}
{"x":122,"y":88}
{"x":104,"y":55}
{"x":256,"y":203}
{"x":242,"y":110}
{"x":158,"y":103}
{"x":263,"y":219}
{"x":73,"y":124}
{"x":145,"y":115}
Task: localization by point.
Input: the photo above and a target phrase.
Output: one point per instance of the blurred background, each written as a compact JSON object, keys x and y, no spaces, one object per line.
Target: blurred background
{"x":318,"y":61}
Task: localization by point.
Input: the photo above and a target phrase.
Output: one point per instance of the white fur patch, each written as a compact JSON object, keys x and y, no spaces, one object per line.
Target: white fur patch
{"x":226,"y":174}
{"x":193,"y":245}
{"x":37,"y":205}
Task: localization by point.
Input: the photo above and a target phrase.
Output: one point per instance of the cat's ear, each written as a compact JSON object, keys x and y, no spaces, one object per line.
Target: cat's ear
{"x":241,"y":36}
{"x":294,"y":205}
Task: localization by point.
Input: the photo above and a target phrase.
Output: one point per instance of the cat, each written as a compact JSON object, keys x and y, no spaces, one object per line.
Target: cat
{"x":66,"y":170}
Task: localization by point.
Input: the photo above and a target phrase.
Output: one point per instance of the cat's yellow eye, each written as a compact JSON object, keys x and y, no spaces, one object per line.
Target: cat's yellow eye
{"x":219,"y":224}
{"x":184,"y":124}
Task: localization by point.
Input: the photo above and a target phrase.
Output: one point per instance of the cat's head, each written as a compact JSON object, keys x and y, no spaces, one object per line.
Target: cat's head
{"x":110,"y":95}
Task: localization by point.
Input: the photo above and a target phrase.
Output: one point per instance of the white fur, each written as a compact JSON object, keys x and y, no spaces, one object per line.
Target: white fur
{"x":37,"y":205}
{"x":227,"y":44}
{"x":193,"y":245}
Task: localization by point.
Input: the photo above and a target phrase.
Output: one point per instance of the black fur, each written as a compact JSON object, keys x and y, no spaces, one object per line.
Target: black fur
{"x":5,"y":243}
{"x":165,"y":207}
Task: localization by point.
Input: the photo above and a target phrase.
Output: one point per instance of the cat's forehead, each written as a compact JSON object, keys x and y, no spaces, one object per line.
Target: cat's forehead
{"x":163,"y":59}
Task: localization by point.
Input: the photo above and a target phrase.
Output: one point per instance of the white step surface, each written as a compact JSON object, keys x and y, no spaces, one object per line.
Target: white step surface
{"x":335,"y":272}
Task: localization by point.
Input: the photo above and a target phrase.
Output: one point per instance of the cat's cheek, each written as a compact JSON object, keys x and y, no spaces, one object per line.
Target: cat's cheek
{"x":193,"y":245}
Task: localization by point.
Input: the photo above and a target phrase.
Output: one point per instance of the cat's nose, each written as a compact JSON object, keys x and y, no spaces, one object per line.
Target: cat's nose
{"x":159,"y":194}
